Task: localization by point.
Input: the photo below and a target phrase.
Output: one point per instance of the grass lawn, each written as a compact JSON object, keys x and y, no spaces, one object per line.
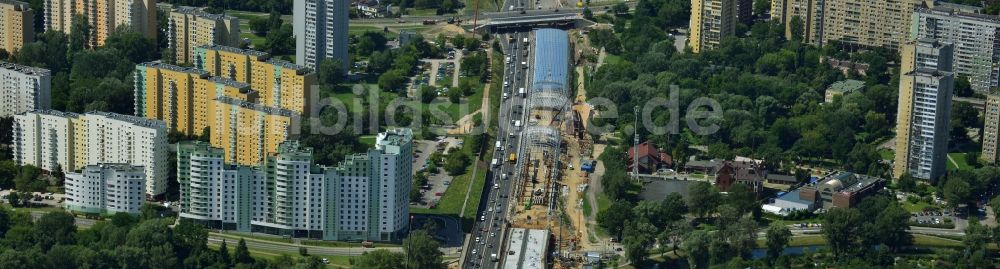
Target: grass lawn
{"x":256,"y":41}
{"x":915,"y":207}
{"x":586,"y":206}
{"x":335,"y":261}
{"x":367,"y":140}
{"x":603,"y":202}
{"x":612,"y":59}
{"x":484,"y":5}
{"x":960,"y":159}
{"x":887,"y":154}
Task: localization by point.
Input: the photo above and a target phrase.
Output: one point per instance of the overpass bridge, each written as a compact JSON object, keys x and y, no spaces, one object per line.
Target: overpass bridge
{"x":528,"y":21}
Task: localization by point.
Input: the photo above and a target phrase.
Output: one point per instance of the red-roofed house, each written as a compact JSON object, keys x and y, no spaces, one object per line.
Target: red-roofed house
{"x":650,"y":158}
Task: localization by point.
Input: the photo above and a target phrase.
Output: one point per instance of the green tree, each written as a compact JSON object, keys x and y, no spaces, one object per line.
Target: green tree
{"x":242,"y":254}
{"x":962,"y":87}
{"x":380,"y":259}
{"x":841,"y":228}
{"x":224,"y":254}
{"x":427,"y":94}
{"x":956,"y":191}
{"x":55,"y":228}
{"x":279,"y":41}
{"x":422,"y":251}
{"x":259,"y":26}
{"x":890,"y":228}
{"x":392,"y":81}
{"x":613,"y":219}
{"x":777,"y":236}
{"x":619,"y":9}
{"x":303,"y":251}
{"x":79,"y":33}
{"x":131,"y":44}
{"x":703,"y":198}
{"x":331,"y":72}
{"x":455,"y":95}
{"x":696,"y":246}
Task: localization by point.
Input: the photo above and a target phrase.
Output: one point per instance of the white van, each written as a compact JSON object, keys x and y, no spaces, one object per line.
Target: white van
{"x":521,"y":91}
{"x":497,"y":145}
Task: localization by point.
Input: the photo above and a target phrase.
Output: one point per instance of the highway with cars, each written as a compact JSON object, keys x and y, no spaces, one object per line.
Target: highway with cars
{"x":488,"y":233}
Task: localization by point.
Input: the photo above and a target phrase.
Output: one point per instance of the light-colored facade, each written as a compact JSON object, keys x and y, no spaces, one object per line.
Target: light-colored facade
{"x":106,"y":189}
{"x":46,"y":139}
{"x":851,"y":22}
{"x":363,"y":198}
{"x":279,"y":83}
{"x":976,"y":40}
{"x":320,"y":30}
{"x":103,"y":16}
{"x":182,"y":97}
{"x":116,"y":138}
{"x":23,"y":89}
{"x":991,"y":129}
{"x":190,"y":27}
{"x":925,"y":93}
{"x":17,"y":25}
{"x":49,"y":139}
{"x":711,"y":22}
{"x":809,"y":13}
{"x":249,"y":132}
{"x":212,"y":191}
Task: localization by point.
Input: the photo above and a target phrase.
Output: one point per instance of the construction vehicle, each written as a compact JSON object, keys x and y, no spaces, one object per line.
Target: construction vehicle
{"x":512,"y":158}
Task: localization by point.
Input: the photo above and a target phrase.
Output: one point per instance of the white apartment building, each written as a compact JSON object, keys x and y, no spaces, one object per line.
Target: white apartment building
{"x":212,"y":191}
{"x":320,"y":29}
{"x":116,"y":138}
{"x":925,"y":93}
{"x":23,"y":89}
{"x":363,"y":198}
{"x":106,"y":189}
{"x":45,"y":139}
{"x":974,"y":37}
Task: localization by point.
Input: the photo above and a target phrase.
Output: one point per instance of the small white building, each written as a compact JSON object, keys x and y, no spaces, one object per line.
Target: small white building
{"x":106,"y":189}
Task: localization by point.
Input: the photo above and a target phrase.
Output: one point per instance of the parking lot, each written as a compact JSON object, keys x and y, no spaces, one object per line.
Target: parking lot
{"x":932,"y":217}
{"x":437,"y":183}
{"x":40,"y":199}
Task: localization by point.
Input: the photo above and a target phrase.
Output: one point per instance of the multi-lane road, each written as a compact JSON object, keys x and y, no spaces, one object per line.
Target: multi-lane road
{"x":488,"y":234}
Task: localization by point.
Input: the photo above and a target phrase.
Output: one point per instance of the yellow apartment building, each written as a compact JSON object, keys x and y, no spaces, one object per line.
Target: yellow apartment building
{"x":711,"y":22}
{"x":17,"y":25}
{"x":182,"y":97}
{"x":281,"y":84}
{"x":103,"y":16}
{"x":249,"y":132}
{"x":190,"y":27}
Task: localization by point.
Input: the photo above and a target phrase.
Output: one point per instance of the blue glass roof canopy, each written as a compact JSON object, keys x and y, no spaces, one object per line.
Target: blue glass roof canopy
{"x":551,"y":60}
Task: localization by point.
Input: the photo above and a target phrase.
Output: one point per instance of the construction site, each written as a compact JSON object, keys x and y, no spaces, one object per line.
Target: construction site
{"x":556,"y":162}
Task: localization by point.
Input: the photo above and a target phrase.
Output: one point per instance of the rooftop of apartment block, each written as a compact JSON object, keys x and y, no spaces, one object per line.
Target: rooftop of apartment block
{"x":300,"y":69}
{"x":24,"y":69}
{"x":247,"y":52}
{"x":166,"y":66}
{"x":395,"y":137}
{"x":230,"y":83}
{"x":924,"y":71}
{"x":52,"y":112}
{"x":138,"y":121}
{"x":117,"y":167}
{"x":196,"y":11}
{"x":256,"y":107}
{"x":18,"y":5}
{"x":951,"y":11}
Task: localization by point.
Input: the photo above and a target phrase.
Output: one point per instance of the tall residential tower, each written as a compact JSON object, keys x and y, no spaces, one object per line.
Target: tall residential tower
{"x":711,"y":22}
{"x":103,"y":16}
{"x":925,"y":92}
{"x":321,"y":31}
{"x":17,"y":25}
{"x":24,"y":88}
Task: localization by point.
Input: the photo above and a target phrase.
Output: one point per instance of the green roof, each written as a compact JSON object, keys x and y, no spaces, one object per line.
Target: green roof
{"x":849,"y":85}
